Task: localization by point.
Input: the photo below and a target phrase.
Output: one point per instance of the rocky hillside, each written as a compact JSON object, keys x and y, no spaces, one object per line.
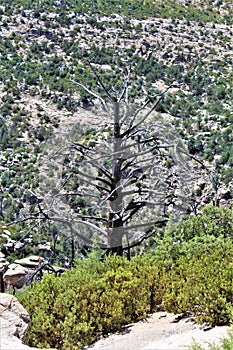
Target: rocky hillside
{"x":45,"y":47}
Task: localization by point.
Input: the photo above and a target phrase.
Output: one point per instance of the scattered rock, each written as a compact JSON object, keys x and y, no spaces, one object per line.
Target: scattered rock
{"x":24,"y":271}
{"x":44,"y":247}
{"x":15,"y":276}
{"x":2,"y":255}
{"x":30,"y":262}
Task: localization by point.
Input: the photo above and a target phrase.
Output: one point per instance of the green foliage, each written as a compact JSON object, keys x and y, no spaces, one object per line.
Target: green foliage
{"x":138,"y":9}
{"x":196,"y":232}
{"x":93,"y":298}
{"x":202,"y":285}
{"x":197,"y":254}
{"x":193,"y":275}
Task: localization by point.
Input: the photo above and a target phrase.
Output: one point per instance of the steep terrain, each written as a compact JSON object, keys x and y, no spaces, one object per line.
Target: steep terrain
{"x":44,"y":48}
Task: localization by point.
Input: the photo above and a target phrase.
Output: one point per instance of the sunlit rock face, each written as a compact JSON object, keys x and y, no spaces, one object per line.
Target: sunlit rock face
{"x":14,"y":324}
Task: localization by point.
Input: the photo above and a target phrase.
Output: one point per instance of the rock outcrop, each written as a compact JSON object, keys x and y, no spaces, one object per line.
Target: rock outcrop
{"x":3,"y":267}
{"x":24,"y":271}
{"x":30,"y":262}
{"x":14,"y":324}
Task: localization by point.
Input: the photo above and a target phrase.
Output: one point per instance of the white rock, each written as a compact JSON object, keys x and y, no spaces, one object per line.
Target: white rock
{"x":14,"y":324}
{"x":30,"y":262}
{"x":2,"y":255}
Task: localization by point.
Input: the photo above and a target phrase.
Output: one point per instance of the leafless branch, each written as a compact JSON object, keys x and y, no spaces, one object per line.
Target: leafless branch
{"x":125,"y":88}
{"x":135,"y":126}
{"x":111,"y":98}
{"x":150,"y":224}
{"x":92,"y":94}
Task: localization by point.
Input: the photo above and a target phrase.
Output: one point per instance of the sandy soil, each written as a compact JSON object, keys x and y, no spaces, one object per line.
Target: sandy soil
{"x":161,"y":331}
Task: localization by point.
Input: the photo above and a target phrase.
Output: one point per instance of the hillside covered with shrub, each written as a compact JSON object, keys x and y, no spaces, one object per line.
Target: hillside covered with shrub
{"x":44,"y":49}
{"x":49,"y":50}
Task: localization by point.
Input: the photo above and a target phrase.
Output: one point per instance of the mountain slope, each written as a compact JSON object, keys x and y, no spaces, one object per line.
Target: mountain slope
{"x":44,"y":48}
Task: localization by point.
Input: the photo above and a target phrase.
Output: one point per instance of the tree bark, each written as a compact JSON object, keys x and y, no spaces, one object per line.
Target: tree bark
{"x":115,"y":223}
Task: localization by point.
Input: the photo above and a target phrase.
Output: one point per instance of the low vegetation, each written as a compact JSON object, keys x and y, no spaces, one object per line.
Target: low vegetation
{"x":225,"y":344}
{"x":192,"y":276}
{"x":44,"y":47}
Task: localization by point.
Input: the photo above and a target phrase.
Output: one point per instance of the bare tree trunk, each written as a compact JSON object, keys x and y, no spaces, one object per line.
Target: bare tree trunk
{"x":143,"y":169}
{"x":115,"y":224}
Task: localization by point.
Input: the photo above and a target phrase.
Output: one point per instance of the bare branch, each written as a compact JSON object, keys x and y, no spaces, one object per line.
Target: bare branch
{"x":77,"y":232}
{"x":135,"y":126}
{"x":28,"y":218}
{"x":93,"y":94}
{"x":151,"y":224}
{"x":112,"y":98}
{"x":125,"y":88}
{"x":159,"y":223}
{"x":81,"y":194}
{"x":79,"y":172}
{"x":150,"y":150}
{"x":103,"y":232}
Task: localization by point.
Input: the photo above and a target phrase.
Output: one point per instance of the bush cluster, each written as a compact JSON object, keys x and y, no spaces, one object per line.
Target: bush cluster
{"x":202,"y":285}
{"x":93,"y":298}
{"x":190,"y":272}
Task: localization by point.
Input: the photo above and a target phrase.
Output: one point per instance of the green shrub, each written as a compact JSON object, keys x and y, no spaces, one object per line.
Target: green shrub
{"x":190,"y":271}
{"x":195,"y":233}
{"x":211,"y":220}
{"x":202,"y":285}
{"x":197,"y":254}
{"x":93,"y":298}
{"x":96,"y":297}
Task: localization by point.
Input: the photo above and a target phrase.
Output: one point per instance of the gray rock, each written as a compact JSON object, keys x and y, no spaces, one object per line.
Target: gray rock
{"x":16,"y":275}
{"x":31,"y":261}
{"x":14,"y":324}
{"x":24,"y":271}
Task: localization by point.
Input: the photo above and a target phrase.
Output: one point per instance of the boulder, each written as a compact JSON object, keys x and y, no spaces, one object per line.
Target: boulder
{"x":44,"y":247}
{"x":15,"y":276}
{"x":14,"y":324}
{"x":2,"y":255}
{"x":24,"y":271}
{"x":30,"y":262}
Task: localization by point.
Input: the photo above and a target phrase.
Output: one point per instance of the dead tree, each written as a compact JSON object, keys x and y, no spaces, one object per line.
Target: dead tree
{"x":122,"y":178}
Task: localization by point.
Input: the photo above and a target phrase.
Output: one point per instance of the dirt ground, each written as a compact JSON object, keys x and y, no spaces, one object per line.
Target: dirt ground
{"x":161,"y":331}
